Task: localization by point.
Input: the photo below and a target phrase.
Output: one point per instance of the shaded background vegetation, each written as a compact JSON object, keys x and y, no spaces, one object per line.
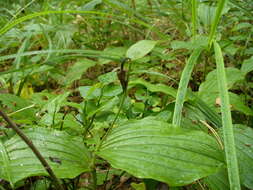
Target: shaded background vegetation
{"x":59,"y":70}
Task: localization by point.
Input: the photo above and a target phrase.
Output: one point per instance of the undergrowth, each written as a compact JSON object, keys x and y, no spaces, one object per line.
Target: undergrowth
{"x":113,"y":94}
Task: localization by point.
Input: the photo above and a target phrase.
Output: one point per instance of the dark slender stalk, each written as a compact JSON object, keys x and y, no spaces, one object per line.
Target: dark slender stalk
{"x":94,"y":178}
{"x":149,"y":3}
{"x":21,"y":86}
{"x":133,"y":4}
{"x":124,"y":86}
{"x":34,"y":149}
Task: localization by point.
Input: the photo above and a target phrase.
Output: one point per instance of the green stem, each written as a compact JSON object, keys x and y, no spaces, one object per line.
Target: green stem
{"x":133,"y":4}
{"x":122,"y":100}
{"x":94,"y":178}
{"x":21,"y":86}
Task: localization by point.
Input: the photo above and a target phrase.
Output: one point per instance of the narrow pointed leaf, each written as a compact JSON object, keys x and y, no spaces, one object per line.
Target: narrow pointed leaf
{"x":227,"y":126}
{"x":182,"y":89}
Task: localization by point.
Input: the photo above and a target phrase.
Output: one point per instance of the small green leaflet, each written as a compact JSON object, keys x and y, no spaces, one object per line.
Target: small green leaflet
{"x":140,"y":49}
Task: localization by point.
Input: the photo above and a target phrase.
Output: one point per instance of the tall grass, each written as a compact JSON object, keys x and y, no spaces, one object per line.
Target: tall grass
{"x":218,"y":14}
{"x":17,"y":21}
{"x":182,"y":89}
{"x":194,"y":17}
{"x":227,"y":126}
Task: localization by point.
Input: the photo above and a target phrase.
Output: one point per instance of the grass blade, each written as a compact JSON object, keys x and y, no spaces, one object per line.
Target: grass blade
{"x":230,"y":150}
{"x":183,"y":86}
{"x":17,"y":21}
{"x":218,"y":13}
{"x":194,"y":17}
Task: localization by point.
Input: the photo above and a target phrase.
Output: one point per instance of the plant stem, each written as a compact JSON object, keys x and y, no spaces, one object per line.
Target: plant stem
{"x":34,"y":149}
{"x":21,"y":86}
{"x":133,"y":4}
{"x":94,"y":177}
{"x":122,"y":100}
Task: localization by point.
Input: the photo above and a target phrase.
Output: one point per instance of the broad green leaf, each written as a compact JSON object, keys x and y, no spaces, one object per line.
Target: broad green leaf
{"x":150,"y":148}
{"x":218,"y":181}
{"x":212,"y":99}
{"x":66,"y":154}
{"x":140,"y":49}
{"x":41,"y":184}
{"x":154,"y":87}
{"x":90,"y":92}
{"x":107,"y":106}
{"x":197,"y":42}
{"x":210,"y":85}
{"x":176,"y":44}
{"x":112,"y":90}
{"x":238,"y":104}
{"x":206,"y":14}
{"x":19,"y":107}
{"x":116,"y":51}
{"x":5,"y":171}
{"x":247,"y":65}
{"x":53,"y":105}
{"x":76,"y":71}
{"x":108,"y":78}
{"x":138,"y":186}
{"x":244,"y":148}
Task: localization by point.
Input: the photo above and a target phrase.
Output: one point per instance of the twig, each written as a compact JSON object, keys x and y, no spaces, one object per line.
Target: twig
{"x":34,"y":149}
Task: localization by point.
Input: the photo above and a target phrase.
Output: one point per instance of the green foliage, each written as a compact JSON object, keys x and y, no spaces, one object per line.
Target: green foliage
{"x":152,"y":149}
{"x":19,"y":162}
{"x":183,"y":86}
{"x":140,"y":49}
{"x":126,"y":94}
{"x":230,"y":152}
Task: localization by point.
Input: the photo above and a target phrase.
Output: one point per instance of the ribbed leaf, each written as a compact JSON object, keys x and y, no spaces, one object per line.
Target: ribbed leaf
{"x":67,"y":155}
{"x":244,"y":148}
{"x":150,"y":148}
{"x":233,"y":76}
{"x":218,"y":181}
